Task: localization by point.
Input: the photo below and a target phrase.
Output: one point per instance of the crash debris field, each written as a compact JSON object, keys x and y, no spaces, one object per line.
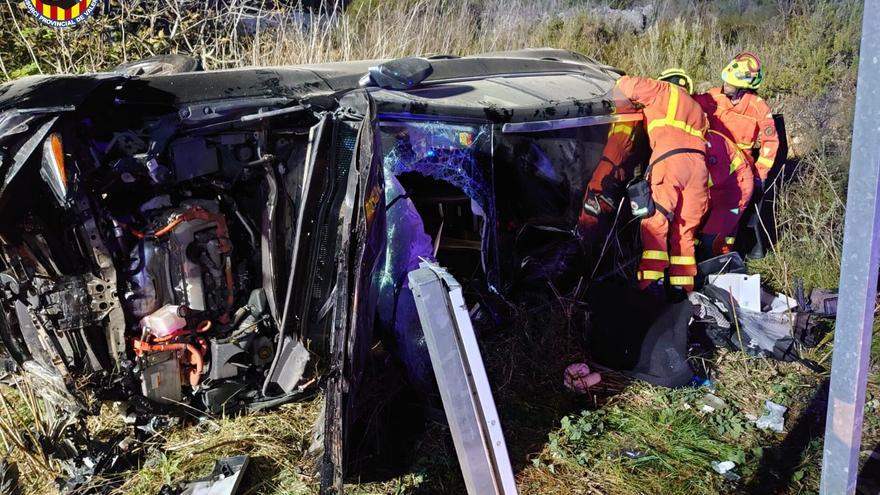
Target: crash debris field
{"x":264,"y":249}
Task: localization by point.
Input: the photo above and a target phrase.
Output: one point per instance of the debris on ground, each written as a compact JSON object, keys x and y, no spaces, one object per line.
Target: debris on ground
{"x":225,"y":479}
{"x":627,"y":453}
{"x":777,"y":302}
{"x":579,"y":378}
{"x":774,"y":419}
{"x":725,"y":469}
{"x":711,"y":403}
{"x":824,"y":302}
{"x":772,"y":334}
{"x":744,"y":289}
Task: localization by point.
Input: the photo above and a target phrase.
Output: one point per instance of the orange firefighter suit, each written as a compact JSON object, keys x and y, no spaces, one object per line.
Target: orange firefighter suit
{"x":678,"y":176}
{"x":606,"y":183}
{"x":748,"y":122}
{"x":731,"y":182}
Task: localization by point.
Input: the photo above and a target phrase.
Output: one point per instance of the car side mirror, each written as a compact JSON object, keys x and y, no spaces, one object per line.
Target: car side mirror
{"x":402,"y":73}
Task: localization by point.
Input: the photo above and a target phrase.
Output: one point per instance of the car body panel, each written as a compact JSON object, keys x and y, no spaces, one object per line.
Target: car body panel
{"x":253,"y":203}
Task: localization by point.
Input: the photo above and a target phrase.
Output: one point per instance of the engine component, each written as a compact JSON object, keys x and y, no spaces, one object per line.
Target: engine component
{"x":193,"y":158}
{"x":185,"y":261}
{"x":228,"y":359}
{"x":78,"y":301}
{"x":165,"y":321}
{"x":262,"y":351}
{"x":185,"y":353}
{"x":160,"y":377}
{"x":220,"y":397}
{"x":103,"y":260}
{"x":291,"y":366}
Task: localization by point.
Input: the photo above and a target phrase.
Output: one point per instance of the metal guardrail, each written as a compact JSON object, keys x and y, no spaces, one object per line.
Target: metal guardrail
{"x":464,"y":386}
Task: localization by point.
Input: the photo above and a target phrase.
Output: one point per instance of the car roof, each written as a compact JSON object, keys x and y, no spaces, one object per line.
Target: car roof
{"x":498,"y":99}
{"x":500,"y":86}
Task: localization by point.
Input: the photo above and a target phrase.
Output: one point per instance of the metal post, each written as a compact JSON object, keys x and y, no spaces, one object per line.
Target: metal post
{"x":858,"y":274}
{"x":464,"y":386}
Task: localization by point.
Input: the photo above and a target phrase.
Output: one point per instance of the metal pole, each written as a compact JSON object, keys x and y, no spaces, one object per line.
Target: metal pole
{"x":858,"y":274}
{"x":464,"y":386}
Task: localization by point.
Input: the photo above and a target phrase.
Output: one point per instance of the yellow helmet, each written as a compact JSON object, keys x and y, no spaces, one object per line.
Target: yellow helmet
{"x":744,"y":71}
{"x":678,"y":77}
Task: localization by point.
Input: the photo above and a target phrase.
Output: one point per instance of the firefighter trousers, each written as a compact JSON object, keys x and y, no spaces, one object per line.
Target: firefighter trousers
{"x":727,"y":204}
{"x":679,"y":185}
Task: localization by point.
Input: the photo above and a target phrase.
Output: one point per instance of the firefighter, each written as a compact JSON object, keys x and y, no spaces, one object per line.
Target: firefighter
{"x":736,"y":110}
{"x":605,"y":186}
{"x":731,"y":182}
{"x":678,"y":177}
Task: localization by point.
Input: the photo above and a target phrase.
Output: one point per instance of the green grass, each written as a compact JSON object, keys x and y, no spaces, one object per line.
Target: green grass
{"x":676,"y":441}
{"x":672,"y":445}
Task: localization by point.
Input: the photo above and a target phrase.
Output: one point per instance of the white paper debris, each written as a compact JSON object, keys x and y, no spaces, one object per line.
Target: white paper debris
{"x":745,"y":289}
{"x":774,"y":418}
{"x":778,"y":303}
{"x":725,"y":469}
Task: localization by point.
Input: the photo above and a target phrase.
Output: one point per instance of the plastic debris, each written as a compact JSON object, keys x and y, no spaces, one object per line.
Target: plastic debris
{"x":9,"y":477}
{"x":777,"y":303}
{"x":824,"y":301}
{"x":711,"y":403}
{"x":725,"y":468}
{"x":702,"y":381}
{"x":579,"y":378}
{"x":627,"y":453}
{"x":774,"y":418}
{"x":225,"y":479}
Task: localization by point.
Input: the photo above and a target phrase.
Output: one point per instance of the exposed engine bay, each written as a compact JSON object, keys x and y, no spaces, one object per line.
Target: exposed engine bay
{"x":148,"y":264}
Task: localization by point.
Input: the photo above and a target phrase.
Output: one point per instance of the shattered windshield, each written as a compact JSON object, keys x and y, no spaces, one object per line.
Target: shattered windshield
{"x":457,"y":159}
{"x":443,"y":151}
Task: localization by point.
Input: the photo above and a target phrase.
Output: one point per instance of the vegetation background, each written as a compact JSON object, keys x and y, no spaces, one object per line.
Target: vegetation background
{"x":627,"y":437}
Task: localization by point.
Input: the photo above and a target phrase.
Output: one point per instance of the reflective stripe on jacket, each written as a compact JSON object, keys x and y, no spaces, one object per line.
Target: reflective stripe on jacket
{"x":749,"y":124}
{"x":673,"y":119}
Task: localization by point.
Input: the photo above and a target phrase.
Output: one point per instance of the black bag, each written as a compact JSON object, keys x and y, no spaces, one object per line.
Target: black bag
{"x":663,"y":359}
{"x":634,"y":333}
{"x":641,"y":201}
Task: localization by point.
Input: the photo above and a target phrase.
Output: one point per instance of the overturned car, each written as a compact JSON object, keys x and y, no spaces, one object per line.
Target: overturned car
{"x":228,"y":241}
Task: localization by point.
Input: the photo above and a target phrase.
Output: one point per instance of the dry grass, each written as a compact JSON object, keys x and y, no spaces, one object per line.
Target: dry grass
{"x":277,"y":443}
{"x":810,"y":48}
{"x":368,"y":30}
{"x":22,"y":422}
